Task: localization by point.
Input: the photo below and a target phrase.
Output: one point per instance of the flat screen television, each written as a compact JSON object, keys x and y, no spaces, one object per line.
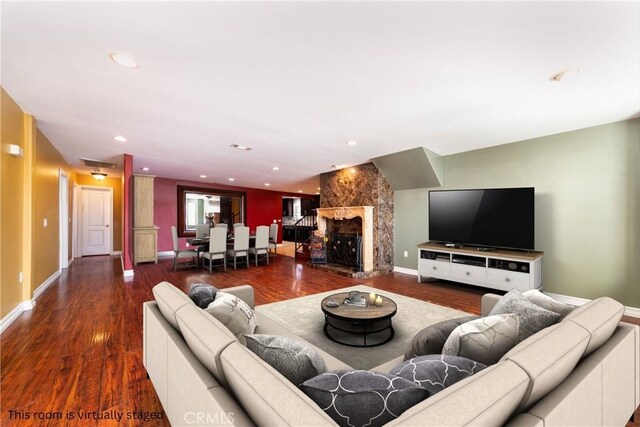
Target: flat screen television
{"x":494,"y":218}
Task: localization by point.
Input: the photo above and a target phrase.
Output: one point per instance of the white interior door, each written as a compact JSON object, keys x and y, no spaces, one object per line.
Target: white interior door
{"x":64,"y":220}
{"x":95,"y":234}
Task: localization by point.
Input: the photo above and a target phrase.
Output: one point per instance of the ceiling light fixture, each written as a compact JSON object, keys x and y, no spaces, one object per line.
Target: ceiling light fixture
{"x":556,"y":77}
{"x":232,"y":179}
{"x":203,"y":176}
{"x":266,"y":184}
{"x":99,"y":175}
{"x":145,"y":168}
{"x":124,"y":60}
{"x":120,"y":138}
{"x":352,"y":143}
{"x":275,"y":168}
{"x":241,"y":147}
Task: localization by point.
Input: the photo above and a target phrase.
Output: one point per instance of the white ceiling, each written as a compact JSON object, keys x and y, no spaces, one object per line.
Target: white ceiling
{"x":295,"y":81}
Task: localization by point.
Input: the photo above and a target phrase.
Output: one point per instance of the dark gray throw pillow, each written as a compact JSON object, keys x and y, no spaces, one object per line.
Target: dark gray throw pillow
{"x":532,"y":317}
{"x":431,"y":339}
{"x":436,"y":372}
{"x":363,"y":398}
{"x":202,"y":294}
{"x":297,"y":361}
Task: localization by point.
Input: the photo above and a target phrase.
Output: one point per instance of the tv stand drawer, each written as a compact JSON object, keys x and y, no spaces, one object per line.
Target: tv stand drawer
{"x":468,"y":273}
{"x":507,"y":280}
{"x":431,"y":268}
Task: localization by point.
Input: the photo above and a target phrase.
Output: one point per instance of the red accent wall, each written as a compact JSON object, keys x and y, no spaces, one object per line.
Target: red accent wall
{"x":127,"y":204}
{"x":262,"y":207}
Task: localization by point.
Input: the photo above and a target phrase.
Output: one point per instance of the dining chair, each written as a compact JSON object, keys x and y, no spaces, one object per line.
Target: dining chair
{"x":202,"y":230}
{"x":182,"y":253}
{"x":262,"y":243}
{"x":217,"y":247}
{"x":221,"y":225}
{"x":240,"y":245}
{"x":273,"y":238}
{"x":238,"y":224}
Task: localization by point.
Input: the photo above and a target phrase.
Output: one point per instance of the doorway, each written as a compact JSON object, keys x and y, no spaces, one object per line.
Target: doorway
{"x":63,"y":204}
{"x":96,"y":221}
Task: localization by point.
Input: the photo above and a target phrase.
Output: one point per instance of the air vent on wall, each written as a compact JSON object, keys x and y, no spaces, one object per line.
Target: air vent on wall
{"x":97,"y":164}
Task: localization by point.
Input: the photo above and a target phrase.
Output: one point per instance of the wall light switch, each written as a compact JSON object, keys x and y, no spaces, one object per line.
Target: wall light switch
{"x":20,"y":277}
{"x":45,"y":222}
{"x":406,"y":254}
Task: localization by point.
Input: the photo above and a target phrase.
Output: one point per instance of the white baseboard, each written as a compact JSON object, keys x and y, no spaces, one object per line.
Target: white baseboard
{"x":125,"y":273}
{"x":70,"y":261}
{"x":628,"y":311}
{"x":40,"y":289}
{"x":27,"y":305}
{"x":165,"y":254}
{"x":116,"y":253}
{"x":403,"y":270}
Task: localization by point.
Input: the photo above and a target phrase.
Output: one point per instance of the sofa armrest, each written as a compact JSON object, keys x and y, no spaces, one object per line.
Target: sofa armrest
{"x":488,"y":301}
{"x":244,"y":292}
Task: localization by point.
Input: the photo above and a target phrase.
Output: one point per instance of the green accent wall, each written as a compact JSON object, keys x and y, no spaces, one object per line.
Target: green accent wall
{"x":587,"y":206}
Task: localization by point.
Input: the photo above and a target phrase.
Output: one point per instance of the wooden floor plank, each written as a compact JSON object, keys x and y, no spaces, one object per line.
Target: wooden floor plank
{"x":80,"y":349}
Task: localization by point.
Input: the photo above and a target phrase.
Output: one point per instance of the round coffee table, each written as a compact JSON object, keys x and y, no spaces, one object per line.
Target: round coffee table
{"x":370,"y":324}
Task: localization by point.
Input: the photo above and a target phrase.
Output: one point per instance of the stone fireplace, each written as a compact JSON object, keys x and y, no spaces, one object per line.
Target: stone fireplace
{"x":359,"y":200}
{"x":365,"y":213}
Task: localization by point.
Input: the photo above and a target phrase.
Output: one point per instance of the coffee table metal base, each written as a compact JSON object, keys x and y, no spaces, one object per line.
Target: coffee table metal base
{"x":372,"y":333}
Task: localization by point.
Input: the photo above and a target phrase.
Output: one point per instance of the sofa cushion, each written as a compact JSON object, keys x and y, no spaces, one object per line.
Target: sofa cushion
{"x":431,"y":339}
{"x":235,"y":314}
{"x":435,"y":372}
{"x":202,"y":294}
{"x":268,"y":397}
{"x":484,"y":340}
{"x":532,"y":317}
{"x":296,"y":360}
{"x":205,"y":336}
{"x":170,"y":299}
{"x":548,"y":357}
{"x":545,"y":301}
{"x":600,"y":318}
{"x":363,"y":398}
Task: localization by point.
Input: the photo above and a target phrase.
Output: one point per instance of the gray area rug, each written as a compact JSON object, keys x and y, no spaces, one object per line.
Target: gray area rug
{"x":304,"y":317}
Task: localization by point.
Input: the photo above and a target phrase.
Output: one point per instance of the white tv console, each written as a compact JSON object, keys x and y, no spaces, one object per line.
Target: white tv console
{"x":499,"y":269}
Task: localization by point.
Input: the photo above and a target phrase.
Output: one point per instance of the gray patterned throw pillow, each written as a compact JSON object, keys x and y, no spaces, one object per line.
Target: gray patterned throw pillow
{"x":202,"y":294}
{"x":436,"y":372}
{"x":532,"y":317}
{"x":484,"y":340}
{"x":297,"y":361}
{"x":545,"y":301}
{"x":363,"y":398}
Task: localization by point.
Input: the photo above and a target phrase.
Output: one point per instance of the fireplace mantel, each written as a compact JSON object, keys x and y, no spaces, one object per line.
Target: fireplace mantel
{"x":348,"y":212}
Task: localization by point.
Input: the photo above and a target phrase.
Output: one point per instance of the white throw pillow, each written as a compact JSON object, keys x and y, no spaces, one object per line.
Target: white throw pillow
{"x":545,"y":301}
{"x":484,"y":340}
{"x":235,"y":314}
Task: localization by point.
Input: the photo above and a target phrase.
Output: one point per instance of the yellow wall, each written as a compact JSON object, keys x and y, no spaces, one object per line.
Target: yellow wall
{"x":116,"y":184}
{"x":48,"y":162}
{"x":12,"y":201}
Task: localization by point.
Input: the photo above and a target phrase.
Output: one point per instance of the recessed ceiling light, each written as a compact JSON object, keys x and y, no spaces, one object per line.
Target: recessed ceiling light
{"x":124,"y":60}
{"x":203,"y":176}
{"x":319,"y":188}
{"x":275,"y":168}
{"x":232,"y":179}
{"x":241,"y":147}
{"x":556,"y":77}
{"x":145,"y":168}
{"x":120,"y":138}
{"x":266,"y":184}
{"x":352,"y":142}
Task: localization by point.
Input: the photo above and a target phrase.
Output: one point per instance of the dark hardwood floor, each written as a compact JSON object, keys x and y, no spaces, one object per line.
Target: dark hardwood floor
{"x":80,"y":348}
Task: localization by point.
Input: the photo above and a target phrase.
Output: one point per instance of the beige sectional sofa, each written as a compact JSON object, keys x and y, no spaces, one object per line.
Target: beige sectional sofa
{"x":583,"y":371}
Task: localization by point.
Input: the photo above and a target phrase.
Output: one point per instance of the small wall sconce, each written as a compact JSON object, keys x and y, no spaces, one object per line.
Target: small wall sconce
{"x":99,"y":175}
